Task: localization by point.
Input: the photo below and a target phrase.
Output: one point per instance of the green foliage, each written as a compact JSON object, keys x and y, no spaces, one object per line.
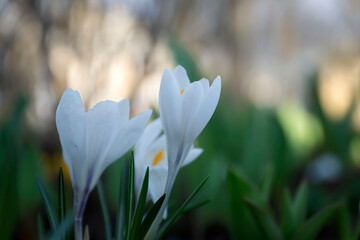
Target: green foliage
{"x":248,"y":205}
{"x":121,"y":216}
{"x":312,"y":227}
{"x":61,"y":223}
{"x":104,"y":210}
{"x":264,"y":221}
{"x":140,"y":208}
{"x":169,"y":222}
{"x":61,"y":198}
{"x":11,"y":155}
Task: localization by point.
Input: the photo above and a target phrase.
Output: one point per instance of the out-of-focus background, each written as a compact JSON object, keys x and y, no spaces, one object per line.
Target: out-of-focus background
{"x":290,"y":99}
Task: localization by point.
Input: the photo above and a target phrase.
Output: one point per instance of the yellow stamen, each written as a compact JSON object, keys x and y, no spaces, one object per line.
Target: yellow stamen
{"x":182,"y":91}
{"x":158,"y":157}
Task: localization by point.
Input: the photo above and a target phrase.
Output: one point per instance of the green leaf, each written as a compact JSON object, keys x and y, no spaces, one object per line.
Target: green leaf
{"x":300,"y":204}
{"x":62,"y":228}
{"x":40,"y":224}
{"x":195,"y":205}
{"x":48,"y":207}
{"x":61,"y":198}
{"x":172,"y":220}
{"x":265,"y":221}
{"x":121,"y":217}
{"x":311,"y":228}
{"x":238,"y":188}
{"x":130,"y":199}
{"x":266,"y":183}
{"x":247,"y":188}
{"x":139,"y":212}
{"x":288,"y":225}
{"x":357,"y":230}
{"x":104,"y":210}
{"x":150,"y":217}
{"x":344,"y":223}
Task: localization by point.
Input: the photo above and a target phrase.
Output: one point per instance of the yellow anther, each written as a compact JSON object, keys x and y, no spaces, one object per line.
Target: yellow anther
{"x":181,"y":92}
{"x":158,"y":157}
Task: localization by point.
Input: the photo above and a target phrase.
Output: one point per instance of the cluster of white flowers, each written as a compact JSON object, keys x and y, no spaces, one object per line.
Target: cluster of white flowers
{"x":92,"y":140}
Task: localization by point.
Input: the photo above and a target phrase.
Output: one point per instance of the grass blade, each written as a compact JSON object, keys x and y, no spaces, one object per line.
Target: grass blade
{"x":150,"y":217}
{"x":40,"y":224}
{"x":196,"y":205}
{"x":105,"y":210}
{"x":139,"y":212}
{"x":62,"y":228}
{"x":48,"y":207}
{"x":264,"y":221}
{"x":311,"y":228}
{"x":130,"y":199}
{"x":178,"y":213}
{"x":61,"y":198}
{"x":300,"y":204}
{"x":122,"y":205}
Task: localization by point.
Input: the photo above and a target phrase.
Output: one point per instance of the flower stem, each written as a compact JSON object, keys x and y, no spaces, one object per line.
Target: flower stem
{"x":151,"y":234}
{"x":78,"y":228}
{"x":80,"y":200}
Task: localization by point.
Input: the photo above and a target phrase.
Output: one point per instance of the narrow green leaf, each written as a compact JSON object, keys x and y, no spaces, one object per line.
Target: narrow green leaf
{"x":344,"y":223}
{"x":265,"y":221}
{"x":48,"y":207}
{"x":311,"y":228}
{"x":240,"y":213}
{"x":40,"y":224}
{"x":357,"y":230}
{"x":62,"y":228}
{"x":104,"y":210}
{"x":247,"y":188}
{"x":195,"y":205}
{"x":288,"y":225}
{"x":121,"y":217}
{"x":139,"y":212}
{"x":266,"y":183}
{"x":130,"y":200}
{"x":300,"y":204}
{"x":150,"y":217}
{"x":61,"y":198}
{"x":176,"y":216}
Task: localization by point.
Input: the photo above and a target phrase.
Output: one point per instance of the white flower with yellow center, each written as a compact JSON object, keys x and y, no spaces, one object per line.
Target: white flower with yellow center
{"x":150,"y":151}
{"x":92,"y":140}
{"x":185,"y":109}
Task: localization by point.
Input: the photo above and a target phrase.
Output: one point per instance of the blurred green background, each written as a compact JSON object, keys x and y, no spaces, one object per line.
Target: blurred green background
{"x":282,"y":146}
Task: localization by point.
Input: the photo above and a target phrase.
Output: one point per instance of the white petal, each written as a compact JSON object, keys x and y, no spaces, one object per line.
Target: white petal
{"x":193,"y":154}
{"x":181,"y":77}
{"x":206,"y":109}
{"x":150,"y":134}
{"x":157,"y":182}
{"x":103,"y":122}
{"x":193,"y":96}
{"x":70,"y":123}
{"x":126,"y":137}
{"x":205,"y":84}
{"x":140,"y":171}
{"x":170,"y":110}
{"x":124,"y":110}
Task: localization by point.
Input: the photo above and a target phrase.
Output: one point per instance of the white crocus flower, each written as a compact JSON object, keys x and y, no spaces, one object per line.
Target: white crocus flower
{"x":185,"y":109}
{"x":92,"y":140}
{"x":150,"y":151}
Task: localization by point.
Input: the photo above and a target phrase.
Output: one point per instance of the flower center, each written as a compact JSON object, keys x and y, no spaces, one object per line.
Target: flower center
{"x":182,"y":91}
{"x":158,"y":157}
